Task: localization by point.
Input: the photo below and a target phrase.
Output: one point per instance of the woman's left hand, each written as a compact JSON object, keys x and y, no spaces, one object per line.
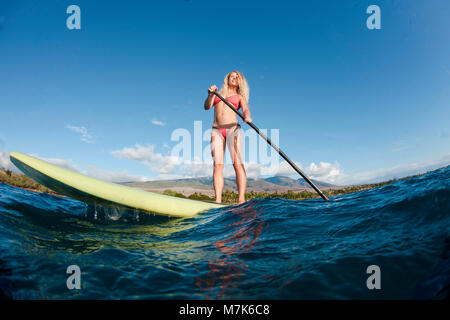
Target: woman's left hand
{"x":248,"y":119}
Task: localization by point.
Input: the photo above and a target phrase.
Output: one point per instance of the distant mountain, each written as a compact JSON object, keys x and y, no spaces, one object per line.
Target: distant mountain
{"x":318,"y":183}
{"x":282,"y":181}
{"x":271,"y":184}
{"x":298,"y":183}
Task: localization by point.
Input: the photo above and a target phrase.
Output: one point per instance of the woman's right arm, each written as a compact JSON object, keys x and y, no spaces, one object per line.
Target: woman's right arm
{"x":210,"y":99}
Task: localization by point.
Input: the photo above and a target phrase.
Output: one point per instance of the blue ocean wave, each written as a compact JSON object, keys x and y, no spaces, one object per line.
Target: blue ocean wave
{"x":263,"y":249}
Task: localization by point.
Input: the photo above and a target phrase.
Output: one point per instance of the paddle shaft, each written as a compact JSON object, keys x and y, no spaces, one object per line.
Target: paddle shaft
{"x":281,"y":153}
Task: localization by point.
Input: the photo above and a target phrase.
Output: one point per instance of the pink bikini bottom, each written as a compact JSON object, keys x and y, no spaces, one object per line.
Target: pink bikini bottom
{"x":223,"y":130}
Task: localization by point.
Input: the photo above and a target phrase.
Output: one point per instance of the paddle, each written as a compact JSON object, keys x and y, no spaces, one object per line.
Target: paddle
{"x":273,"y":146}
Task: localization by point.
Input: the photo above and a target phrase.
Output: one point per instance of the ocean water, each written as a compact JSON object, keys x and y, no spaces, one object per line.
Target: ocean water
{"x":263,"y":249}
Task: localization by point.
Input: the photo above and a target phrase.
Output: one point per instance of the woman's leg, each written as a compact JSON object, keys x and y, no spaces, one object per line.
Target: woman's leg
{"x":234,"y":140}
{"x":217,"y":152}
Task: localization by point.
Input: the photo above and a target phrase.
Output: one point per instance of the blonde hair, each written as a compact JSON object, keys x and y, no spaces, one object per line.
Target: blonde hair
{"x":242,"y":89}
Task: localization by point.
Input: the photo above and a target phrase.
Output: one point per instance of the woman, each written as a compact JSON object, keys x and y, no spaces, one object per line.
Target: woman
{"x":226,"y":130}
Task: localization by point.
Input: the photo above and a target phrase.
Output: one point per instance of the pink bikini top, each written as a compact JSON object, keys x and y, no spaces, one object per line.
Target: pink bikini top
{"x":234,"y":99}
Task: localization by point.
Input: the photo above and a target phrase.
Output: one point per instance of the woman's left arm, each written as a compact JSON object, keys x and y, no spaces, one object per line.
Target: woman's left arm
{"x":245,"y":109}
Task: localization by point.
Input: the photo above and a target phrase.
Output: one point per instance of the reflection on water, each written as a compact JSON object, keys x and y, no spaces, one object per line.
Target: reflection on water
{"x":226,"y":271}
{"x":85,"y":229}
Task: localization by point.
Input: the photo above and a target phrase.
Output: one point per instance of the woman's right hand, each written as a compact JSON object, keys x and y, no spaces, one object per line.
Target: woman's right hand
{"x":212,"y":89}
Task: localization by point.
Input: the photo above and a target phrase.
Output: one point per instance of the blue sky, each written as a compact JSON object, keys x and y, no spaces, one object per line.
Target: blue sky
{"x":351,"y":105}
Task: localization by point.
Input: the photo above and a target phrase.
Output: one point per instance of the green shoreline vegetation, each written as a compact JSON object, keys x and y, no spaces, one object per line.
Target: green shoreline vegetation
{"x":231,"y":197}
{"x":23,"y":181}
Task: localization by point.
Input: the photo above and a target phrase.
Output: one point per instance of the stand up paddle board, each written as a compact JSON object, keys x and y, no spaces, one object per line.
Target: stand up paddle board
{"x":94,"y":191}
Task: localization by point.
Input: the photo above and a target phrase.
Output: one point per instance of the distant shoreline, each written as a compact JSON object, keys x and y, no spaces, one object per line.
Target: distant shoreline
{"x":24,"y":182}
{"x":35,"y":190}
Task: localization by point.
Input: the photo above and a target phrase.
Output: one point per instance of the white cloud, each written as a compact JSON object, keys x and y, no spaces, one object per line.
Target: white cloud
{"x":146,"y":155}
{"x":196,"y":169}
{"x":281,"y":169}
{"x":85,"y":136}
{"x":169,"y":167}
{"x":325,"y":171}
{"x":68,"y":164}
{"x":400,"y":171}
{"x":158,"y":122}
{"x":112,"y":176}
{"x":91,"y":171}
{"x":5,"y":162}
